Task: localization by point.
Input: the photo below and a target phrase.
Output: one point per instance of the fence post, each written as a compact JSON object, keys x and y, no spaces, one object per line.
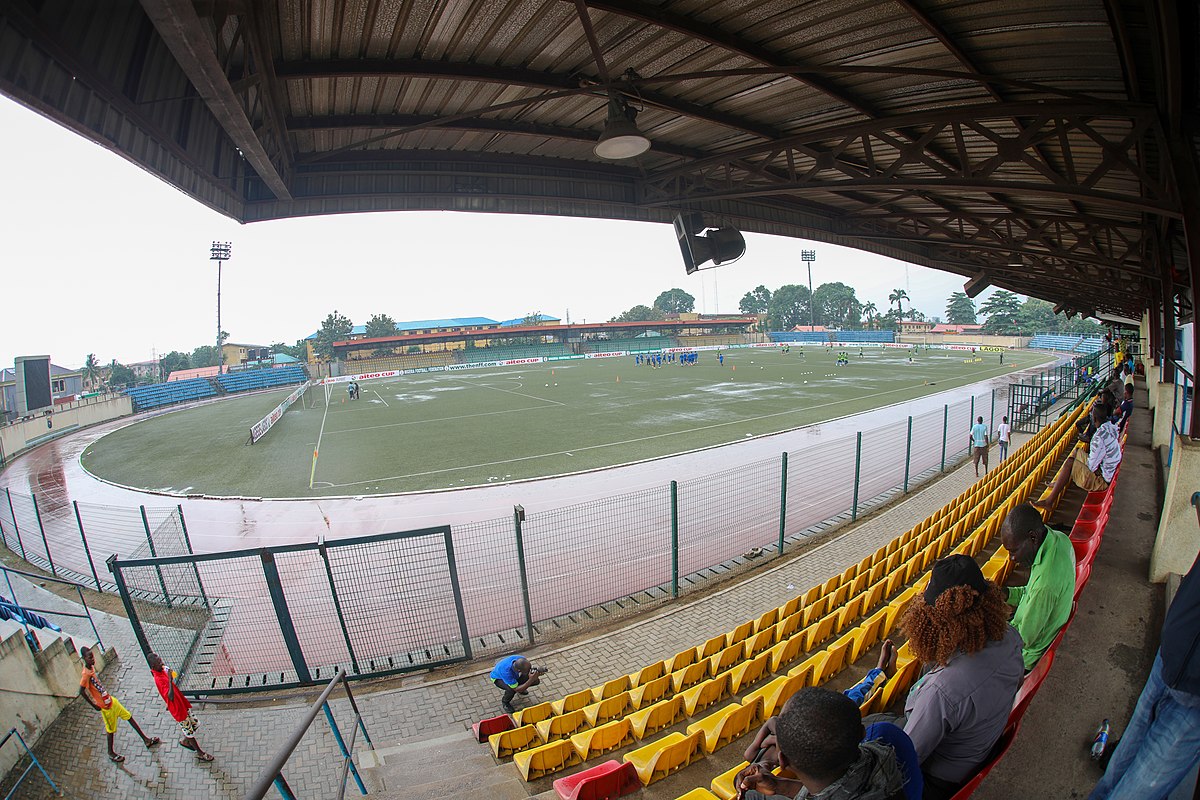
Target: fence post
{"x":857,"y":465}
{"x":674,"y":539}
{"x":518,"y":518}
{"x":286,"y":627}
{"x":134,"y":621}
{"x":945,"y":428}
{"x":17,"y":525}
{"x":908,"y":454}
{"x":992,"y":424}
{"x":337,"y":603}
{"x":187,"y":540}
{"x":37,"y":512}
{"x":153,"y":554}
{"x":972,"y":409}
{"x":459,"y":606}
{"x":782,"y":502}
{"x":87,"y":550}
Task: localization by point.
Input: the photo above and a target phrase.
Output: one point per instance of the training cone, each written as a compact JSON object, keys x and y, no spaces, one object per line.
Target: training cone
{"x":618,"y":379}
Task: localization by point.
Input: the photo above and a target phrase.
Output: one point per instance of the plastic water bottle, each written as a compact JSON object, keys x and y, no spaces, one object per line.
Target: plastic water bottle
{"x":1100,"y":743}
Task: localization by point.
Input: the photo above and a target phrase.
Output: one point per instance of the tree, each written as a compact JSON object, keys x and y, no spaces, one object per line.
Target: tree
{"x":960,"y":309}
{"x":836,"y":305}
{"x":204,"y":356}
{"x":172,"y":361}
{"x":297,"y":351}
{"x":895,"y":297}
{"x":789,"y":307}
{"x":531,"y":319}
{"x":675,"y":301}
{"x":119,"y":374}
{"x":1001,"y":310}
{"x":380,"y":326}
{"x":1036,"y":316}
{"x":756,"y":301}
{"x":335,"y":328}
{"x":639,"y":314}
{"x":91,"y":370}
{"x":869,"y":312}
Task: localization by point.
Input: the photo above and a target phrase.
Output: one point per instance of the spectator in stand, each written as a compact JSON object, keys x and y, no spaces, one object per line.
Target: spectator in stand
{"x":957,"y":710}
{"x":1092,"y":470}
{"x":820,"y":736}
{"x":1126,"y":409}
{"x":1003,"y":436}
{"x":1043,"y":604}
{"x":1161,"y":743}
{"x":1128,"y":376}
{"x":514,"y":675}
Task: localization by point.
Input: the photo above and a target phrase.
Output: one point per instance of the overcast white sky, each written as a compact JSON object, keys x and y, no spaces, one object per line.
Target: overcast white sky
{"x":102,"y":257}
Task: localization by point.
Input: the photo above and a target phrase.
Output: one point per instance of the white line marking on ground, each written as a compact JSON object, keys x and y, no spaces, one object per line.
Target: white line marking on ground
{"x":317,"y":448}
{"x":439,"y":419}
{"x":510,"y":391}
{"x":381,"y":399}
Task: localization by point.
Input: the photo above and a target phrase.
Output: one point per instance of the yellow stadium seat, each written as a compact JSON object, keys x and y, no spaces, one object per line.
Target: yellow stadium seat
{"x":647,"y":674}
{"x":650,"y":692}
{"x":859,"y":583}
{"x":705,"y":694}
{"x":790,"y":607}
{"x":866,"y":635}
{"x":897,"y":686}
{"x":866,"y":564}
{"x":997,"y":567}
{"x":722,"y":786}
{"x":731,"y":722}
{"x":907,"y":551}
{"x":831,"y":585}
{"x":610,"y":688}
{"x":766,"y":620}
{"x":546,"y":760}
{"x":739,"y":634}
{"x":748,"y":673}
{"x":532,"y":714}
{"x":879,"y":571}
{"x":839,"y":596}
{"x":775,"y":693}
{"x":787,"y":626}
{"x":572,"y":702}
{"x":835,"y":659}
{"x":758,"y":643}
{"x":914,"y":566}
{"x":895,"y":580}
{"x":814,"y":612}
{"x":848,"y":613}
{"x":811,"y":596}
{"x":681,"y":660}
{"x":688,"y":676}
{"x":892,"y":546}
{"x":880,"y":556}
{"x":652,"y":719}
{"x":725,"y":659}
{"x":873,"y":596}
{"x":867,"y":706}
{"x":699,"y":793}
{"x":608,"y":708}
{"x":714,"y":645}
{"x":786,"y":652}
{"x":599,"y":740}
{"x":891,"y":618}
{"x":562,"y":726}
{"x":669,"y":754}
{"x":807,"y":668}
{"x":892,"y":562}
{"x":819,"y":632}
{"x":505,"y":743}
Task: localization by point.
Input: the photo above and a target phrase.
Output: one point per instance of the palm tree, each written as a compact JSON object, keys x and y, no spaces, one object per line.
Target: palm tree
{"x":895,"y":297}
{"x":869,"y":310}
{"x":91,"y":370}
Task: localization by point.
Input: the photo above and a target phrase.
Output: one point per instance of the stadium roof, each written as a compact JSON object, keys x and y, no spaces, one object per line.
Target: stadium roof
{"x":424,"y":324}
{"x":1046,"y":146}
{"x":509,"y":323}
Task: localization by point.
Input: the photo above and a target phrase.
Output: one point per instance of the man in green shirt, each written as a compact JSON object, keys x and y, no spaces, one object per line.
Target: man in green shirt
{"x":1044,"y":603}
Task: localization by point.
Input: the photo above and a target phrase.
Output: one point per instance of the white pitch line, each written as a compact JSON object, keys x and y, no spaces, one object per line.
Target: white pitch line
{"x":626,"y":441}
{"x":439,"y":419}
{"x":317,"y":449}
{"x":385,"y":403}
{"x":510,"y":391}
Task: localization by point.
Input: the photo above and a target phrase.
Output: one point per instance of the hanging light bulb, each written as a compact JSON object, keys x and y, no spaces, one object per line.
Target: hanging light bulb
{"x":620,"y":138}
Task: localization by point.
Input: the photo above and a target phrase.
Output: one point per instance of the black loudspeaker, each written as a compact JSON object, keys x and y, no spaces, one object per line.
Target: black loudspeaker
{"x":699,"y":245}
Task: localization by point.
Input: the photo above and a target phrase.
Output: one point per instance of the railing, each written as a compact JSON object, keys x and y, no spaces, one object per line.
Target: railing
{"x":1182,"y":382}
{"x":33,"y":762}
{"x":273,"y":774}
{"x":87,"y":614}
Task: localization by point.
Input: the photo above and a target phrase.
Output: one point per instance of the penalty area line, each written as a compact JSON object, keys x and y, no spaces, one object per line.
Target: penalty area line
{"x":317,"y":449}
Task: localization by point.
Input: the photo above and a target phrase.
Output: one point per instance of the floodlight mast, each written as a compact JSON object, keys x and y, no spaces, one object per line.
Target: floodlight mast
{"x":808,"y":257}
{"x":220,"y":253}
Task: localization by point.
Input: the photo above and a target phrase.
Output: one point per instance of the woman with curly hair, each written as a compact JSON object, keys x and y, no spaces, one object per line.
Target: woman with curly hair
{"x":957,"y":710}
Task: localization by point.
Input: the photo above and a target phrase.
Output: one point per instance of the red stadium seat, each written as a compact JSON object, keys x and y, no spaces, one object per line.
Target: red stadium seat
{"x":486,"y":727}
{"x":1033,"y":682}
{"x":601,"y":782}
{"x":998,"y":751}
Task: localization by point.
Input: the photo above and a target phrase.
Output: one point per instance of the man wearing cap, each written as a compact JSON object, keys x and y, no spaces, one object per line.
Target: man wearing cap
{"x":1044,"y":603}
{"x":957,"y":710}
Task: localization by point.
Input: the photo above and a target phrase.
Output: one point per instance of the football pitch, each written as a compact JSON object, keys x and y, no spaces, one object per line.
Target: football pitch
{"x":454,"y":429}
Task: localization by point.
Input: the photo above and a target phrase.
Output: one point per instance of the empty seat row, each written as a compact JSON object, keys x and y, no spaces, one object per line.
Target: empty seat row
{"x":163,"y":394}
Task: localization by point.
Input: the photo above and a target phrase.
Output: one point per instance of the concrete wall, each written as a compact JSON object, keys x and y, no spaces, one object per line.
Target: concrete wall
{"x":968,"y":339}
{"x":36,"y":687}
{"x":21,"y":436}
{"x":1178,"y":538}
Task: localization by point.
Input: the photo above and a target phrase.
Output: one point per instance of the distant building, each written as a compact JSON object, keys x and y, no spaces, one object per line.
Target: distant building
{"x":813,"y":328}
{"x":957,"y":329}
{"x":437,"y":326}
{"x":144,"y":369}
{"x":237,"y":354}
{"x":195,"y":372}
{"x":913,"y":326}
{"x":65,"y":384}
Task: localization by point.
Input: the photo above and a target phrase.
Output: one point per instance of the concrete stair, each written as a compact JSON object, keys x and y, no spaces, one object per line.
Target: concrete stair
{"x":454,"y":765}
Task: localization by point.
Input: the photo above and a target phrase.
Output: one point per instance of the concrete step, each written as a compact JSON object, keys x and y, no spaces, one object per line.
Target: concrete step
{"x":439,"y":767}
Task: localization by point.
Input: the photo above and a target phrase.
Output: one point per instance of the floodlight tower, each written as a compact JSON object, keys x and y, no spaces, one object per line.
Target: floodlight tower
{"x":220,"y":254}
{"x":808,"y":257}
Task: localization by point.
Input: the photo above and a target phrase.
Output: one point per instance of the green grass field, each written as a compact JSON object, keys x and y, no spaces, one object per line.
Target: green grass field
{"x":440,"y":430}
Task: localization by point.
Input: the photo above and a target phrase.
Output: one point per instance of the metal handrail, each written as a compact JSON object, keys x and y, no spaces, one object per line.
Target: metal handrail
{"x":33,"y":763}
{"x":87,"y":613}
{"x":272,"y":775}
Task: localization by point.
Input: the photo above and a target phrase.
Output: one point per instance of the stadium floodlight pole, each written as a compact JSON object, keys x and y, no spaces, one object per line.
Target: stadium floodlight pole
{"x":808,"y":257}
{"x":220,"y":254}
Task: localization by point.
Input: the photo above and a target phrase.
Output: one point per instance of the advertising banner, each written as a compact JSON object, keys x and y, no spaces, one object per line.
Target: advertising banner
{"x":260,"y":428}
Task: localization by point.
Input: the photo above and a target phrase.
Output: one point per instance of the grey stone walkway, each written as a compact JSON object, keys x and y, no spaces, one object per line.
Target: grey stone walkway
{"x":243,"y":737}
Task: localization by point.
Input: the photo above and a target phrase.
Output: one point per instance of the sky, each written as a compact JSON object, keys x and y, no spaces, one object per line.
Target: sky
{"x":102,"y":257}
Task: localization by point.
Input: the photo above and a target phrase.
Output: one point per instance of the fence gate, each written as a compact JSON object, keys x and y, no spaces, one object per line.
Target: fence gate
{"x":1029,"y":406}
{"x":287,"y":616}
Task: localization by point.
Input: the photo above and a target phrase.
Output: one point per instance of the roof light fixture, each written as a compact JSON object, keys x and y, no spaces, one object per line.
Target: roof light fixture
{"x":620,"y":138}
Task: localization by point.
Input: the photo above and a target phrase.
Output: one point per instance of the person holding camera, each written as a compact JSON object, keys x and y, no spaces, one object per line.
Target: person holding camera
{"x":514,"y":675}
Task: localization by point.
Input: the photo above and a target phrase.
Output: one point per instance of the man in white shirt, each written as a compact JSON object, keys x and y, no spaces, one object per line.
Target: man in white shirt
{"x":1091,"y":470}
{"x":1003,"y":435}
